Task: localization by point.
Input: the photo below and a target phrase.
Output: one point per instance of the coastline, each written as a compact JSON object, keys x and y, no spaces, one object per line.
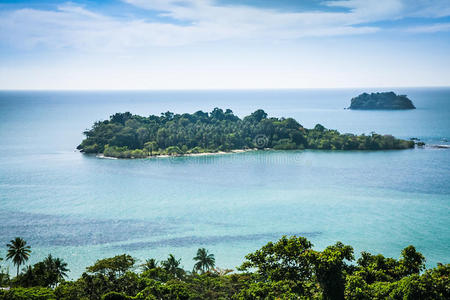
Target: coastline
{"x":101,"y":155}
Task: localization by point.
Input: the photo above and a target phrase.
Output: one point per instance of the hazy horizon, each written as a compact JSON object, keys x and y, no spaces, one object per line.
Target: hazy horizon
{"x":370,"y":89}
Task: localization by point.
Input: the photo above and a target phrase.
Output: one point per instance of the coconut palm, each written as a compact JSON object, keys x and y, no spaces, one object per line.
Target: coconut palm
{"x":56,"y":269}
{"x":149,"y":264}
{"x":205,"y":261}
{"x":18,"y":252}
{"x":172,"y":266}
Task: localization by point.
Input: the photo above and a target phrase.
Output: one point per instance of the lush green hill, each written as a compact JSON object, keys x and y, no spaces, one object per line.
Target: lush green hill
{"x":387,"y":101}
{"x":131,"y":136}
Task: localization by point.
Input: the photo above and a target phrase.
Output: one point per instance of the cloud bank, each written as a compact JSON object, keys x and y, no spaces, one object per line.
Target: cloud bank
{"x":196,"y":21}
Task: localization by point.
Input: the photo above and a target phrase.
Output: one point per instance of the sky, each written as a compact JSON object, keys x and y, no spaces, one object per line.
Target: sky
{"x":223,"y":44}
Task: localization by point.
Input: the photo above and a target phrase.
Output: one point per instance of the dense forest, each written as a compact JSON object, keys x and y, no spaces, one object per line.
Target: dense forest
{"x":126,"y":135}
{"x":386,"y":100}
{"x":287,"y":269}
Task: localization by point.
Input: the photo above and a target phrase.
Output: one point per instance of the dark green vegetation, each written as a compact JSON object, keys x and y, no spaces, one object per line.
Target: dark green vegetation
{"x":287,"y":269}
{"x":388,"y":100}
{"x":18,"y":252}
{"x":131,"y":136}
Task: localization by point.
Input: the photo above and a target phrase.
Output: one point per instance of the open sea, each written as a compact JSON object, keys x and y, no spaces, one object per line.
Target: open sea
{"x":82,"y":208}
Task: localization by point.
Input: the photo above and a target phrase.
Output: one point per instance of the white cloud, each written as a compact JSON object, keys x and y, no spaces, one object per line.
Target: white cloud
{"x":375,"y":10}
{"x":72,"y":26}
{"x":430,"y":28}
{"x":428,"y":8}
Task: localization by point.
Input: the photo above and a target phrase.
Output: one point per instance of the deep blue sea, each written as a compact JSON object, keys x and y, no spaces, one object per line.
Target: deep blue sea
{"x":82,"y":208}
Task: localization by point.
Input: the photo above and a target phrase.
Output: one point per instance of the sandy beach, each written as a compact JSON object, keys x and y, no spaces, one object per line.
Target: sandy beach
{"x":183,"y":155}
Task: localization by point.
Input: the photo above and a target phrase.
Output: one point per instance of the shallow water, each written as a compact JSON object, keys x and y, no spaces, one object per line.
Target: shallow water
{"x":82,"y":208}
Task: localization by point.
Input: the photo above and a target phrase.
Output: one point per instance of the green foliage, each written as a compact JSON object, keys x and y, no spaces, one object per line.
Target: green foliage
{"x":204,"y":260}
{"x":35,"y":293}
{"x":149,"y":264}
{"x":131,"y":136}
{"x":356,"y":288}
{"x":158,"y":274}
{"x":288,"y":259}
{"x":4,"y":276}
{"x":386,"y":100}
{"x":69,"y":290}
{"x":113,"y":267}
{"x":286,"y":269}
{"x":270,"y":290}
{"x":47,"y":273}
{"x":331,"y":269}
{"x":115,"y":296}
{"x":172,"y":266}
{"x":18,"y":252}
{"x":174,"y":150}
{"x":412,"y":262}
{"x":377,"y":277}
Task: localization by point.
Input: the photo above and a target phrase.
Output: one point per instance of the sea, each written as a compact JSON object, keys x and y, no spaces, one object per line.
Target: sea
{"x":82,"y":208}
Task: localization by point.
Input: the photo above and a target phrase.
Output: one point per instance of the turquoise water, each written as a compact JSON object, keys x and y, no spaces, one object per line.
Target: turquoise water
{"x":83,"y":208}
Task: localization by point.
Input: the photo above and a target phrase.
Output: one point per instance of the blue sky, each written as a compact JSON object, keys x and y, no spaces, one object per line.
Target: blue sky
{"x":223,"y":44}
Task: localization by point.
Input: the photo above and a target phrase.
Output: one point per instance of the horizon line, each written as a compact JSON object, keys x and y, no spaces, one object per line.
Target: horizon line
{"x":221,"y":89}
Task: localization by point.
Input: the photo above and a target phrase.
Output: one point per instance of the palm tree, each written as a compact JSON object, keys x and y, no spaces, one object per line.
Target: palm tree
{"x":60,"y":268}
{"x":18,"y":251}
{"x":204,"y":260}
{"x":56,"y":268}
{"x":149,"y":264}
{"x":172,"y":266}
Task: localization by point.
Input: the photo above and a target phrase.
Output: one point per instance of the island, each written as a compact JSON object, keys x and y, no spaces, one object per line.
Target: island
{"x":126,"y":135}
{"x":386,"y":101}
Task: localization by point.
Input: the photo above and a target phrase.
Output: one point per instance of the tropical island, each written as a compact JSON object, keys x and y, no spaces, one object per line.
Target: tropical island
{"x":289,"y":268}
{"x":126,"y":135}
{"x":386,"y":100}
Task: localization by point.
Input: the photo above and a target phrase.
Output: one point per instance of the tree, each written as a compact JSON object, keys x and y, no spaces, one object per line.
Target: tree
{"x":28,"y":278}
{"x":330,"y":269}
{"x":288,"y":259}
{"x":4,"y":276}
{"x":57,"y":267}
{"x":132,"y":136}
{"x":113,"y":267}
{"x":18,"y":252}
{"x":286,"y":269}
{"x":319,"y":127}
{"x":412,"y":262}
{"x":46,"y":273}
{"x":149,"y":264}
{"x":257,"y":116}
{"x":114,"y":296}
{"x":174,"y":150}
{"x":151,"y":147}
{"x":172,"y":266}
{"x":205,"y":261}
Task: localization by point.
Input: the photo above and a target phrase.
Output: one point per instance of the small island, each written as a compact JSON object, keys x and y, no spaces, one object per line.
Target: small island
{"x":126,"y":135}
{"x":386,"y":101}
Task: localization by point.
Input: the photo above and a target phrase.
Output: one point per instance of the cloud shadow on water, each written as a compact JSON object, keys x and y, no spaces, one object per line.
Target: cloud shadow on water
{"x":188,"y":241}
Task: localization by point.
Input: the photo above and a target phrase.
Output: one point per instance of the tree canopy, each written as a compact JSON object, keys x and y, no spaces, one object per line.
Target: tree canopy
{"x":18,"y":252}
{"x":204,"y":260}
{"x":289,"y":268}
{"x":126,"y":135}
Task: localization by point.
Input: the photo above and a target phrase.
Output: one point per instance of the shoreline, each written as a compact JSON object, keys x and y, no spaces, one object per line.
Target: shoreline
{"x":101,"y":155}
